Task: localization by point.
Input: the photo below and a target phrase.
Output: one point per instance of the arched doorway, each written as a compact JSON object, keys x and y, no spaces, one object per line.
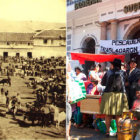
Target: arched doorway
{"x":133,"y":33}
{"x":88,"y":46}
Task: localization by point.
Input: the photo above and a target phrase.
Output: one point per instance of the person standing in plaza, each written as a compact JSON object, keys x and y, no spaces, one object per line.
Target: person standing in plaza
{"x":114,"y":100}
{"x":133,"y":76}
{"x":7,"y":98}
{"x":2,"y":91}
{"x":79,"y":74}
{"x":77,"y":114}
{"x":18,"y":101}
{"x":9,"y":80}
{"x":107,"y":74}
{"x":93,"y":74}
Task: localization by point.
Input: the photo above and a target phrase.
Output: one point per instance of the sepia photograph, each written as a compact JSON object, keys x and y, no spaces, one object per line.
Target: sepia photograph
{"x":32,"y":69}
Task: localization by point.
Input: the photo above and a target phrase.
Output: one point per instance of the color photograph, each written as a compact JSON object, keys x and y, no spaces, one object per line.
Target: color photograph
{"x":103,"y":70}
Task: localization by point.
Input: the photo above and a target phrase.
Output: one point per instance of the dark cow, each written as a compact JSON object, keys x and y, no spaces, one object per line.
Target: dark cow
{"x":33,"y":115}
{"x":5,"y":81}
{"x":42,"y":115}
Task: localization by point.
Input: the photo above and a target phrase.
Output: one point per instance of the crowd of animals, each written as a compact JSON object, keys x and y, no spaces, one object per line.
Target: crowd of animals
{"x":46,"y":76}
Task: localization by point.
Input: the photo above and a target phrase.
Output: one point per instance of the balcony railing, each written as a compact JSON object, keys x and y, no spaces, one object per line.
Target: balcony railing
{"x":73,"y":2}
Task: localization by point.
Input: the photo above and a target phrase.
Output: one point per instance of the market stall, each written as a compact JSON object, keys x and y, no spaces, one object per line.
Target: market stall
{"x":91,"y":104}
{"x":100,"y":58}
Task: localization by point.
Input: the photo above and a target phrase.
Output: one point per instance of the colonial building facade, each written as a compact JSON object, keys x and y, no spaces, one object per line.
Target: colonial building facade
{"x":90,"y":21}
{"x":50,"y":38}
{"x":43,"y":43}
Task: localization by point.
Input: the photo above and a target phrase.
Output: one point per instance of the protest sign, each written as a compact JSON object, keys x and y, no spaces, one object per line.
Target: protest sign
{"x":120,"y":46}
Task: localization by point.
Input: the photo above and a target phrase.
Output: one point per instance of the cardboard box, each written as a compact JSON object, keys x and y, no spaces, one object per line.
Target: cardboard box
{"x":90,"y":105}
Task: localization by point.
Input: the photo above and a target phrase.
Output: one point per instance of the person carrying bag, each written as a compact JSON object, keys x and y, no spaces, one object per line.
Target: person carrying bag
{"x":114,"y":100}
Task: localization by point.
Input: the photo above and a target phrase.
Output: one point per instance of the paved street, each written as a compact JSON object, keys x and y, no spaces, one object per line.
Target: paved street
{"x":88,"y":134}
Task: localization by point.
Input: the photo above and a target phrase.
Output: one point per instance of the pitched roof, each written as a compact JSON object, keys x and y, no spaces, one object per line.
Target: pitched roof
{"x":8,"y":36}
{"x":51,"y":34}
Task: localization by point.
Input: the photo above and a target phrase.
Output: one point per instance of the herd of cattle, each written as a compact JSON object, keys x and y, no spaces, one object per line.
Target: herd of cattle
{"x":46,"y":76}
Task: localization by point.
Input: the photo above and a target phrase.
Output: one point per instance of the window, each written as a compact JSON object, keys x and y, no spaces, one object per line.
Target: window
{"x":69,"y":42}
{"x":28,"y":44}
{"x":68,"y":48}
{"x":45,"y":41}
{"x":8,"y":43}
{"x":110,"y":12}
{"x":103,"y":14}
{"x":68,"y":36}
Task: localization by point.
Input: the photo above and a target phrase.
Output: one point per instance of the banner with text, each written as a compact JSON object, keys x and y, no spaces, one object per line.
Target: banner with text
{"x":120,"y":46}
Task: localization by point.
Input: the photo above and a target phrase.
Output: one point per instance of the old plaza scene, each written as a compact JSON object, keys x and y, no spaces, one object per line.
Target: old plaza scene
{"x":32,"y":79}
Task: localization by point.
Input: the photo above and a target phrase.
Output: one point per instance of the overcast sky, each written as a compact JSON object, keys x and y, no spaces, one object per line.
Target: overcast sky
{"x":36,"y":10}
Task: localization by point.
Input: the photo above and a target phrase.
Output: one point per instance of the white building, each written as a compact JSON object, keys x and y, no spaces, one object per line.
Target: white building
{"x":44,"y":43}
{"x":96,"y":20}
{"x":50,"y":38}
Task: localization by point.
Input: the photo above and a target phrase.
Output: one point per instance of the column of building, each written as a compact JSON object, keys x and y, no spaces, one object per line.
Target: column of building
{"x":103,"y":36}
{"x":103,"y":31}
{"x":114,"y":24}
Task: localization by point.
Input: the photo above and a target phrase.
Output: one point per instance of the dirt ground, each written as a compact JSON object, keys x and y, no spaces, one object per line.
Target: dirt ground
{"x":15,"y":129}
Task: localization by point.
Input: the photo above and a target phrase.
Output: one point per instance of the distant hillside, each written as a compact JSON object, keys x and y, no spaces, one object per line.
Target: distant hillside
{"x":27,"y":26}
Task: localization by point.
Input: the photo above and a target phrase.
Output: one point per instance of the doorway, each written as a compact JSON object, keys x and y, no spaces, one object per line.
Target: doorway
{"x":88,"y":47}
{"x":29,"y":54}
{"x":17,"y":55}
{"x":5,"y":54}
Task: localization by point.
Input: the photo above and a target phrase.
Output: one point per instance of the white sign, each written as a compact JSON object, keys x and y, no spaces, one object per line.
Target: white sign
{"x":120,"y":46}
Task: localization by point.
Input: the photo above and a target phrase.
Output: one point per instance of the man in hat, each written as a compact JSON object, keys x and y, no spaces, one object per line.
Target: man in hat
{"x":133,"y":76}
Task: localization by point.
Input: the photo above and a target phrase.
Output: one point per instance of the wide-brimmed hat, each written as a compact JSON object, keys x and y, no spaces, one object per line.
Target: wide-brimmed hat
{"x":133,"y":60}
{"x":116,"y":63}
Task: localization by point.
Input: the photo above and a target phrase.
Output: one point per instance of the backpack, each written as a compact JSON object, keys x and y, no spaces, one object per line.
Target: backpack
{"x":117,"y":82}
